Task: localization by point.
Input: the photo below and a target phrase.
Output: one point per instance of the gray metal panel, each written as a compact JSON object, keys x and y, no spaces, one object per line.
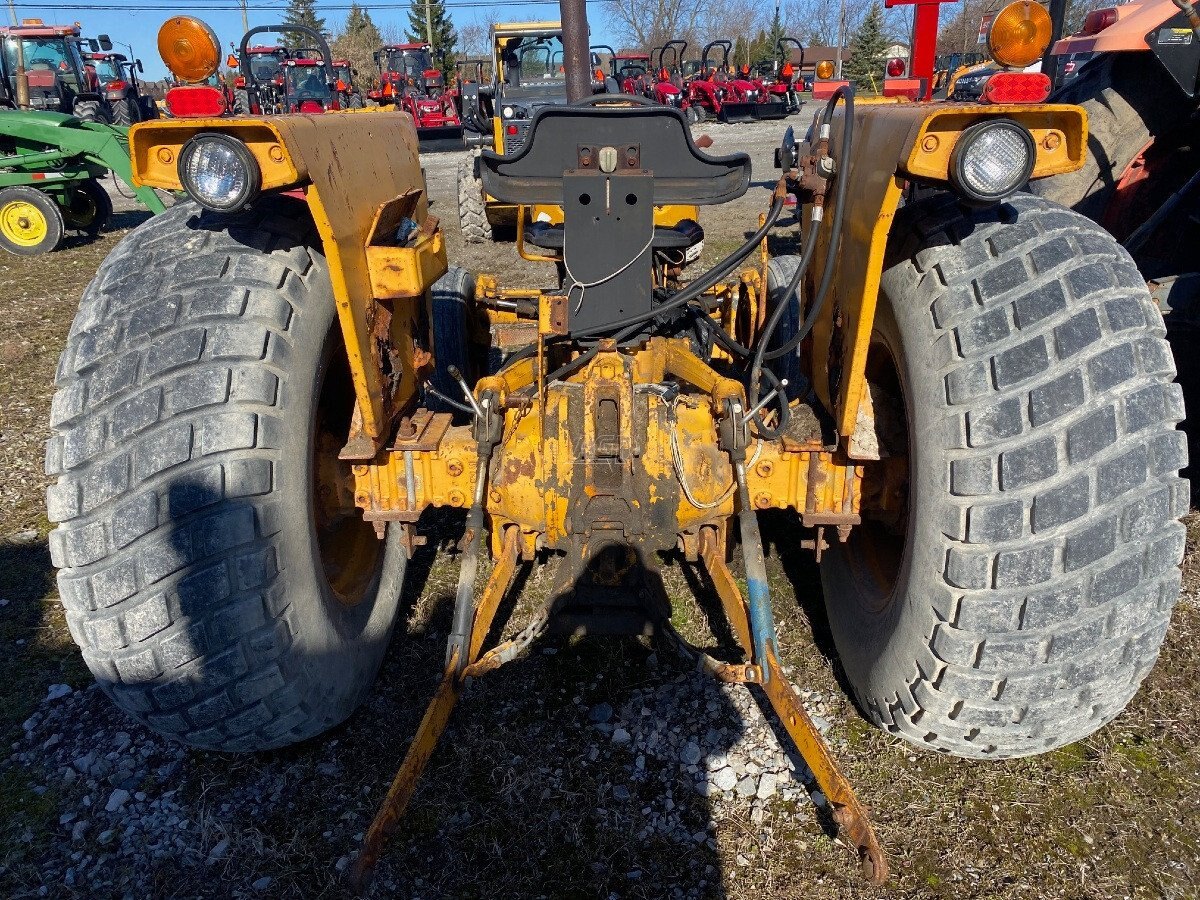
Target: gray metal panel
{"x":609,"y":220}
{"x":682,"y":174}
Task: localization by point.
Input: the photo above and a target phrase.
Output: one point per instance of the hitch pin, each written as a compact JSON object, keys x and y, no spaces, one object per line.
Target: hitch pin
{"x":760,"y":404}
{"x":462,"y":383}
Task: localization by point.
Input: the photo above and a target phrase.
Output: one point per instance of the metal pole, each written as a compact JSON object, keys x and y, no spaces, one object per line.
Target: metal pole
{"x":576,"y":52}
{"x":1058,"y":15}
{"x":12,"y":12}
{"x":429,"y":24}
{"x":22,"y":76}
{"x":837,"y":73}
{"x":245,"y":20}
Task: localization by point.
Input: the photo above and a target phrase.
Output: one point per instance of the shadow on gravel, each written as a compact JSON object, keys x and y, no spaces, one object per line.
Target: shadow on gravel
{"x":565,"y":773}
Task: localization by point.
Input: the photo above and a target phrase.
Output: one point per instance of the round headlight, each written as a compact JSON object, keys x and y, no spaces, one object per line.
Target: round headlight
{"x":219,"y":172}
{"x":508,"y":112}
{"x":991,"y":160}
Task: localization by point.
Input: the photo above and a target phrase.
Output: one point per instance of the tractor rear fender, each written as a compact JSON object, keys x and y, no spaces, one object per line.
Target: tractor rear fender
{"x":1128,"y":33}
{"x":360,"y":175}
{"x":895,"y":143}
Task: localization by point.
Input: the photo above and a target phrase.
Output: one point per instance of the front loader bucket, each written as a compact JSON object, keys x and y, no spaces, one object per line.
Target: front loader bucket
{"x":776,"y":109}
{"x":738,"y":112}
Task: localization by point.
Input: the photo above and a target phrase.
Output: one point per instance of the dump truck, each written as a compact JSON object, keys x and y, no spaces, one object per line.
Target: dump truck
{"x":958,"y":392}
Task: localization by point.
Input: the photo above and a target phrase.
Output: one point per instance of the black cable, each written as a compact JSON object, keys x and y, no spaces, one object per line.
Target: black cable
{"x":835,"y":233}
{"x":587,"y":355}
{"x":695,"y":288}
{"x":846,"y":94}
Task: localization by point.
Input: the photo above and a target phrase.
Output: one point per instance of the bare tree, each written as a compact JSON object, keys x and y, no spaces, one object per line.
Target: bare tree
{"x":651,"y":23}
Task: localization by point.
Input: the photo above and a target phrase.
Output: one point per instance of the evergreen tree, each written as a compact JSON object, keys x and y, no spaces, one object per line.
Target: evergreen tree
{"x":765,"y":47}
{"x":358,"y":41}
{"x":442,"y":37}
{"x":868,"y":49}
{"x":303,"y":12}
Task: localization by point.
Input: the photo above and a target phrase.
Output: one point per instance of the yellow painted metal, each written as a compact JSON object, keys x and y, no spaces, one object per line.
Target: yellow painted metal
{"x":404,"y":272}
{"x":350,"y":167}
{"x":1059,"y":134}
{"x":154,"y":150}
{"x":918,"y":138}
{"x":540,"y":458}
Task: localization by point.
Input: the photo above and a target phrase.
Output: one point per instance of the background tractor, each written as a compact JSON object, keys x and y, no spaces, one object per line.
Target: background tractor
{"x":409,"y":79}
{"x":958,"y":392}
{"x":350,"y":96}
{"x":118,"y":76}
{"x":49,"y":58}
{"x":51,"y":169}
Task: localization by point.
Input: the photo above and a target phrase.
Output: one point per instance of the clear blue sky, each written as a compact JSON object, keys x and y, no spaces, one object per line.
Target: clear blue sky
{"x":139,"y":27}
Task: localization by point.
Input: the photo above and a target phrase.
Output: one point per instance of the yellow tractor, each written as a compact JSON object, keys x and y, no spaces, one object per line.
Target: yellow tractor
{"x":961,"y":391}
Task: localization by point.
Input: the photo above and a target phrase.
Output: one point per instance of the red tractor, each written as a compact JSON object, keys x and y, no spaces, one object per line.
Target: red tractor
{"x":779,"y":76}
{"x":631,"y":71}
{"x":409,"y":79}
{"x":58,"y":79}
{"x":668,"y":88}
{"x":118,"y":77}
{"x":258,"y":88}
{"x":721,"y":93}
{"x":349,"y":94}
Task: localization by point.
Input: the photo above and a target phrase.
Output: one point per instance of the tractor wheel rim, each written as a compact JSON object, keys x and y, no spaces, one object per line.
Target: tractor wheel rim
{"x":23,"y":224}
{"x":82,"y":211}
{"x":878,"y":546}
{"x":350,"y":551}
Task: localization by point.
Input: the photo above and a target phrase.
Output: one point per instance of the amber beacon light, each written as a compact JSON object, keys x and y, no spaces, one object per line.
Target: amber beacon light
{"x":189,"y":48}
{"x":1019,"y":34}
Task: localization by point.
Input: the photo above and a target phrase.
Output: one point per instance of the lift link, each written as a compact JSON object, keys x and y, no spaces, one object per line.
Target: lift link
{"x":437,"y":716}
{"x":849,"y":813}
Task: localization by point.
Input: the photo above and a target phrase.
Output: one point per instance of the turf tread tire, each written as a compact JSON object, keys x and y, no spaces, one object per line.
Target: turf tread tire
{"x":182,"y":560}
{"x":1044,"y":535}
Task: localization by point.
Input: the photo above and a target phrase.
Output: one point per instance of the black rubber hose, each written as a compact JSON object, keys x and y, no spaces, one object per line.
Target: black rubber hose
{"x":835,"y":236}
{"x":846,"y":94}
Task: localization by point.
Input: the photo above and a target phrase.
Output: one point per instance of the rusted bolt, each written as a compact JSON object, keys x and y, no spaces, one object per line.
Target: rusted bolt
{"x":276,"y":153}
{"x":763,"y":501}
{"x":362,"y":499}
{"x":496,"y":496}
{"x":360,"y":469}
{"x":1052,"y":140}
{"x":408,"y":428}
{"x":765,"y":468}
{"x":456,"y":498}
{"x":165,"y":155}
{"x":454,"y":467}
{"x":930,"y":143}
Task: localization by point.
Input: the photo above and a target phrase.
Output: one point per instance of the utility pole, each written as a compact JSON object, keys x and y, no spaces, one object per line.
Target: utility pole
{"x":837,"y":73}
{"x":245,"y":20}
{"x":12,"y":12}
{"x":429,"y":23}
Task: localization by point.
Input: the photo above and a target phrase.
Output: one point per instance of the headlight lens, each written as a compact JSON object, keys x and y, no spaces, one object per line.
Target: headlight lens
{"x":508,"y":112}
{"x":219,"y":172}
{"x":992,"y":160}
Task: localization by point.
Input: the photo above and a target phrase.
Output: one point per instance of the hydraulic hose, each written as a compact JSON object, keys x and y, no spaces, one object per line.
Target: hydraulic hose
{"x":846,"y":94}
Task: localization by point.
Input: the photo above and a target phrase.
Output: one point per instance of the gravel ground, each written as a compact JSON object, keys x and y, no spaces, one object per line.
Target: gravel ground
{"x":586,"y":769}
